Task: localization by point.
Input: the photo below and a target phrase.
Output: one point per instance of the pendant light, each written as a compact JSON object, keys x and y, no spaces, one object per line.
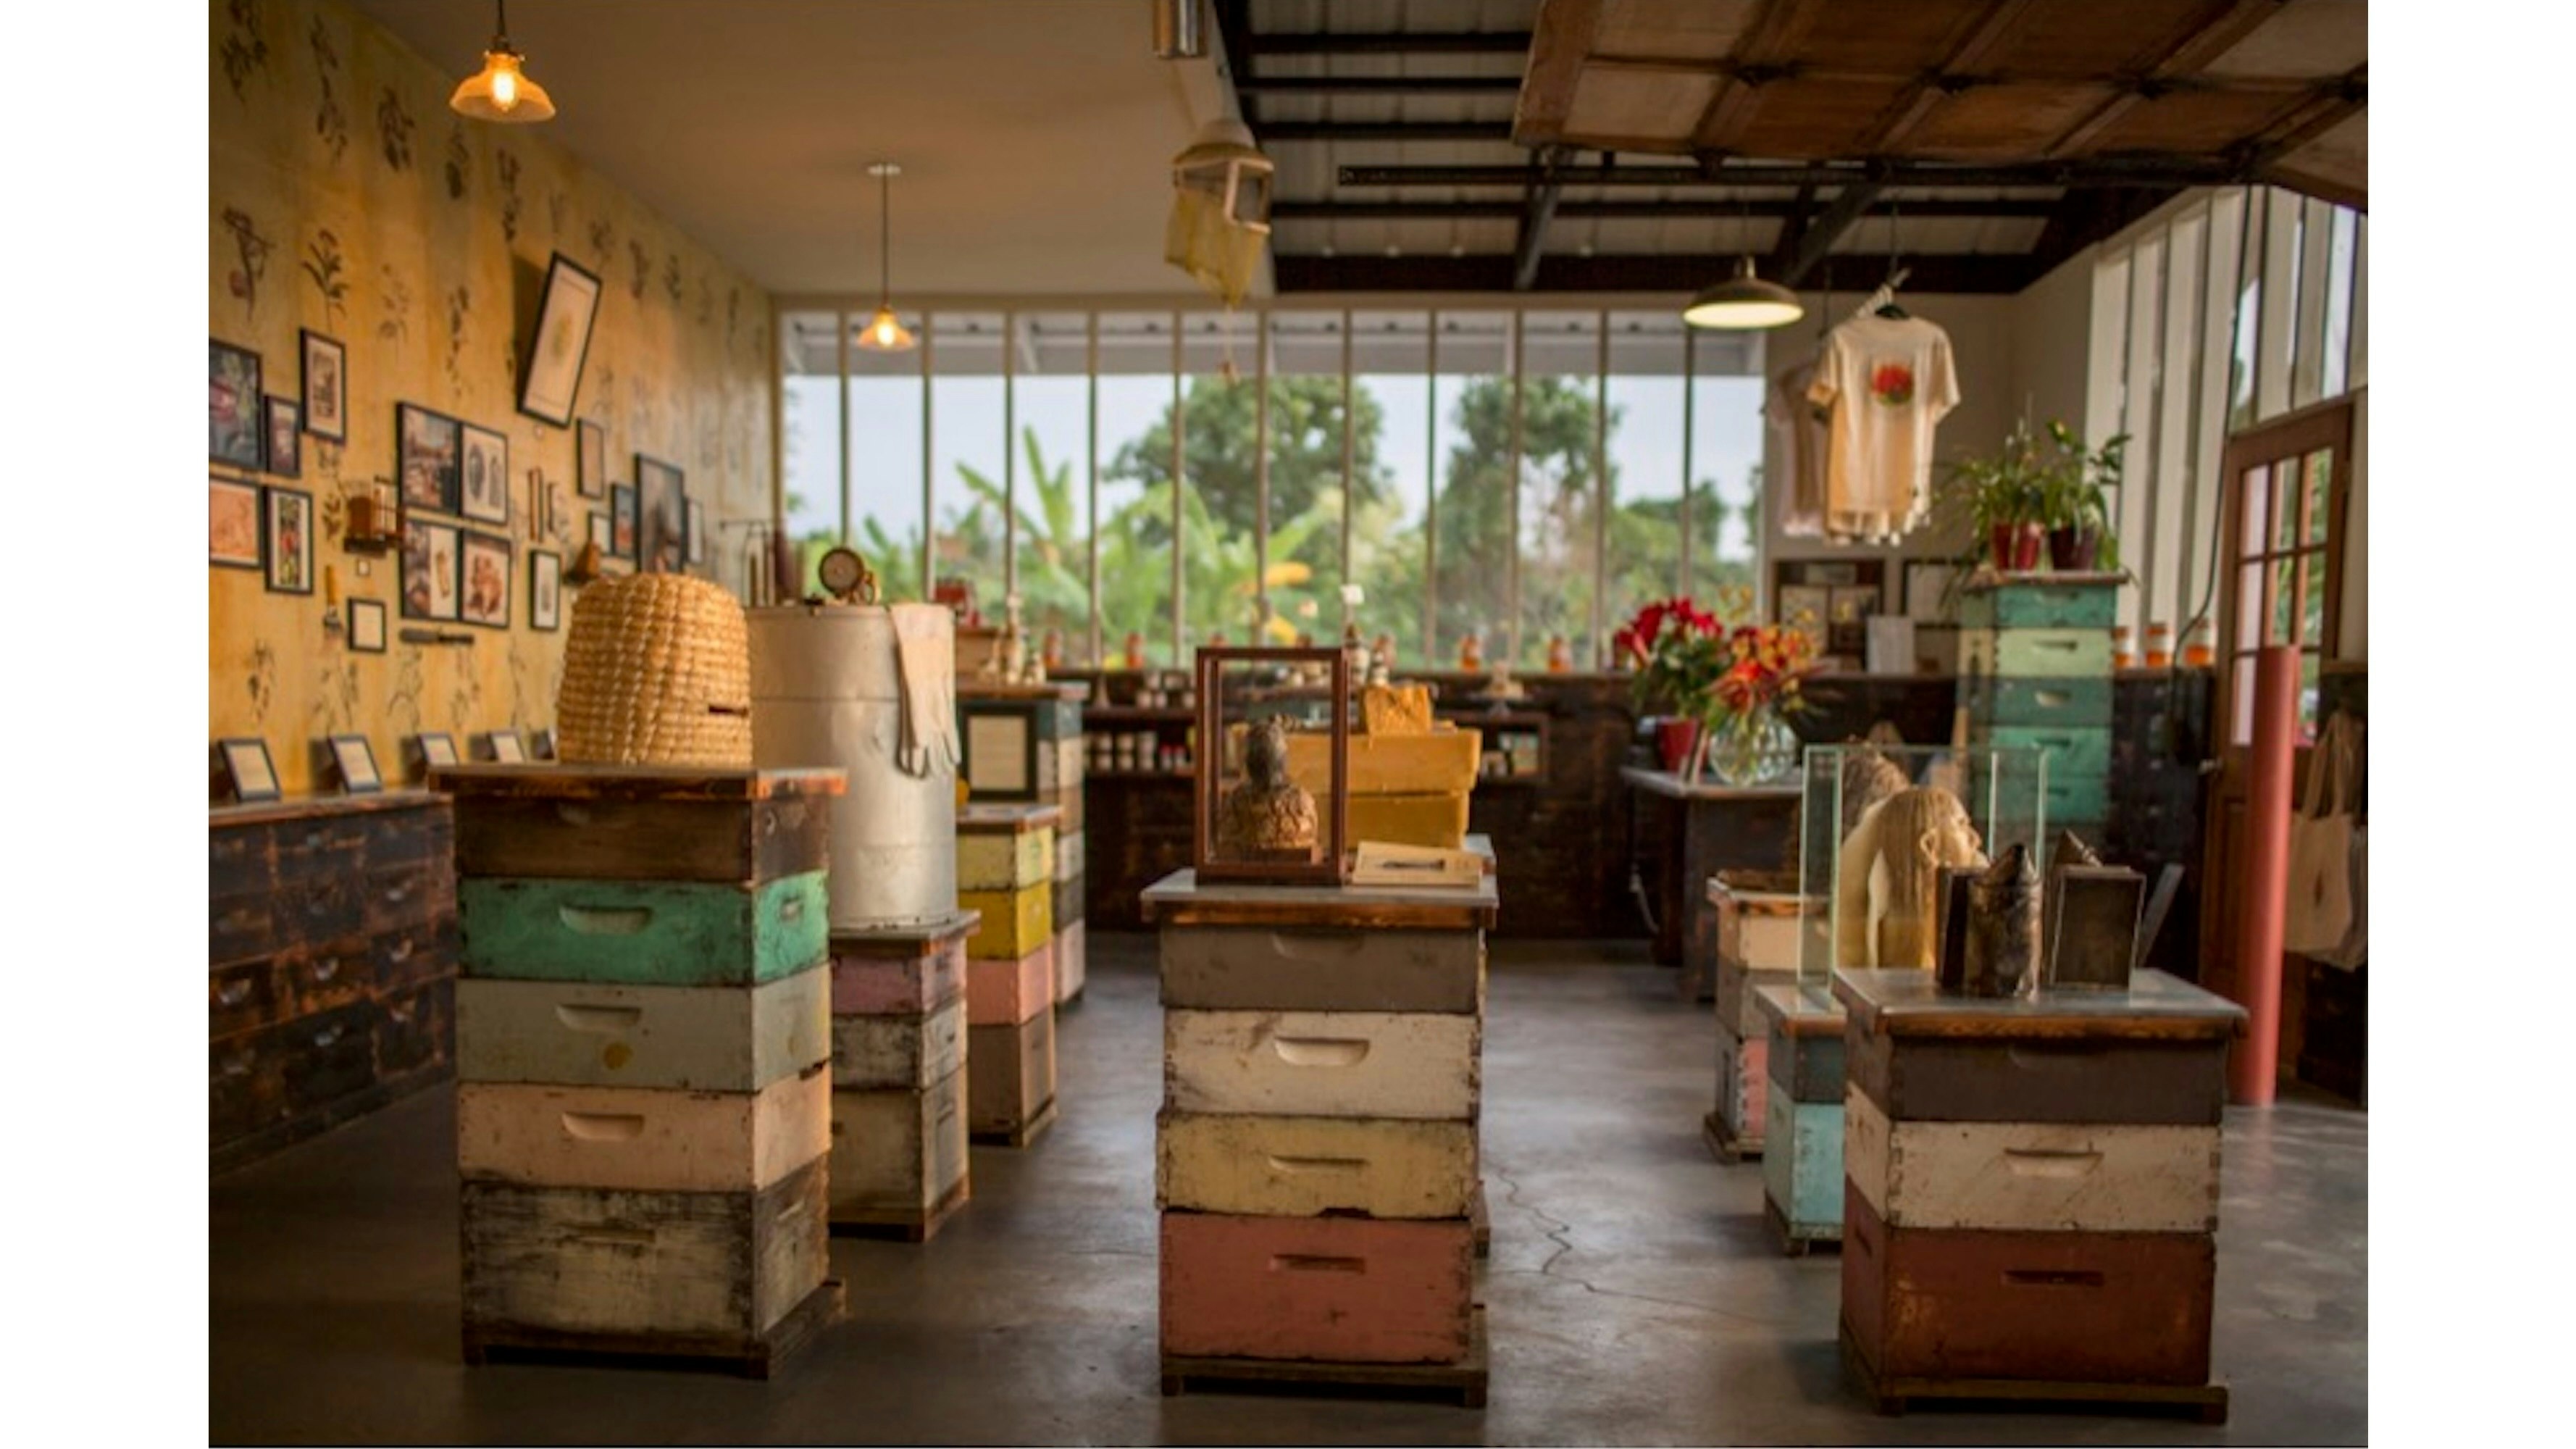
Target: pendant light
{"x":499,"y":92}
{"x":885,"y":332}
{"x":1744,"y":302}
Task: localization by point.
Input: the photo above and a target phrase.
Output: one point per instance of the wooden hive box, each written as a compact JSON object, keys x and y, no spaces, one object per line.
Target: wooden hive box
{"x":693,"y":1038}
{"x":1345,"y":1289}
{"x":879,"y":1052}
{"x":1010,"y":1076}
{"x":1260,"y":968}
{"x":1311,"y":1166}
{"x":1071,"y":953}
{"x":901,"y":973}
{"x":1014,"y":922}
{"x":898,"y":1154}
{"x":643,"y":1138}
{"x":1002,"y":848}
{"x":1006,"y":993}
{"x":1323,"y":1064}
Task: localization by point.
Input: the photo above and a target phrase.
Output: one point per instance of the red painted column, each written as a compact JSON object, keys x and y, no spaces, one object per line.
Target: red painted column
{"x":2253,"y":1067}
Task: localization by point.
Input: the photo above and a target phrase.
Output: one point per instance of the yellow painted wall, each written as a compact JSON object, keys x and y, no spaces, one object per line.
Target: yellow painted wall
{"x":345,"y":197}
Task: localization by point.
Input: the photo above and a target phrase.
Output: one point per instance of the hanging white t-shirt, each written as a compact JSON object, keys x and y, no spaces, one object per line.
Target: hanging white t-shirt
{"x":1889,"y":382}
{"x":1801,"y":428}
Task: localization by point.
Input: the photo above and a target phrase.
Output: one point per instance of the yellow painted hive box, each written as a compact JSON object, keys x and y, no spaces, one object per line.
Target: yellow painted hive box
{"x":1405,"y":789}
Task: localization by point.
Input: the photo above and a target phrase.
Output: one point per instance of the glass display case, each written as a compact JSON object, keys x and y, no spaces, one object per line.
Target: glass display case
{"x":1877,"y":825}
{"x":1273,"y":766}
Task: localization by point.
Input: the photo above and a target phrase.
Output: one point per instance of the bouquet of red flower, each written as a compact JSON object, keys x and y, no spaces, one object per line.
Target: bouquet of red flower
{"x":1765,"y":663}
{"x":1677,"y":650}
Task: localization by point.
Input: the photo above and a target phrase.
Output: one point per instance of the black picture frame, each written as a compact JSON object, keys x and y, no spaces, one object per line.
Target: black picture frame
{"x":590,"y":459}
{"x":366,"y":626}
{"x":428,"y":457}
{"x":697,"y":532}
{"x":325,"y":390}
{"x":545,"y":590}
{"x":661,"y":515}
{"x":559,"y":347}
{"x":621,"y":522}
{"x":435,"y":749}
{"x":236,"y":524}
{"x":286,"y":539}
{"x":233,"y":420}
{"x":248,"y":768}
{"x":483,"y":475}
{"x":356,"y":760}
{"x":431,"y":569}
{"x":541,"y":744}
{"x":505,"y":747}
{"x":603,"y":531}
{"x":281,"y":427}
{"x":484,"y":566}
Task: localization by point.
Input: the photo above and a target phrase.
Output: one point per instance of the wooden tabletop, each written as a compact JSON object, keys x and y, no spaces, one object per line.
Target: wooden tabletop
{"x":1666,"y":783}
{"x":1801,"y":1010}
{"x":998,"y":817}
{"x":551,"y":781}
{"x":313,"y":807}
{"x":1907,"y":1003}
{"x":1179,"y":899}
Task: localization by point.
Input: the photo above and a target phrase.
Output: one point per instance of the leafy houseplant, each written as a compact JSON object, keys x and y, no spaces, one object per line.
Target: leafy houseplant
{"x":2004,"y":498}
{"x":2076,"y":502}
{"x":1675,"y":647}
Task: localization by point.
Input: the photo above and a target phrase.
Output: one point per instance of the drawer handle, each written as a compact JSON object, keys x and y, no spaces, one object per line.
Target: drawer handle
{"x":235,"y":1066}
{"x":329,"y":1035}
{"x":312,"y":839}
{"x":604,"y":1126}
{"x":1314,"y":945}
{"x":2051,"y":1278}
{"x":396,"y":895}
{"x":2053,"y":698}
{"x":325,"y":969}
{"x":1319,"y":1051}
{"x":1295,"y":1166}
{"x":2037,"y":1162}
{"x":613,"y":1237}
{"x":2063,"y":646}
{"x":605,"y":920}
{"x":1312,"y":1263}
{"x":791,"y":909}
{"x":571,"y":814}
{"x":605,"y":1020}
{"x":233,"y":993}
{"x":400,"y":952}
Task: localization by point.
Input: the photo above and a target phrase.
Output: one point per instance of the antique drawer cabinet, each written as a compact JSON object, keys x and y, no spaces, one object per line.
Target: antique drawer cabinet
{"x":332,"y":963}
{"x":2031,"y":1191}
{"x":1316,"y":1158}
{"x":1025,"y":744}
{"x":1006,"y":873}
{"x":644,"y":1046}
{"x":899,"y":1042}
{"x":2035,"y":670}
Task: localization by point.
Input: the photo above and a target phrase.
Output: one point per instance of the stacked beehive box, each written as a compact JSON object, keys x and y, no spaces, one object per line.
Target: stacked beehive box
{"x":643,"y":1043}
{"x":899,"y":1160}
{"x":1024,"y":744}
{"x":2031,"y":1190}
{"x":2035,"y":670}
{"x":1006,"y":872}
{"x":1316,"y":1155}
{"x":1802,"y":1155}
{"x":1758,"y":916}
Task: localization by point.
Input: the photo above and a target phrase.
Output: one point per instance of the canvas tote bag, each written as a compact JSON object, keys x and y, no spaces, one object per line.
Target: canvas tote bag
{"x":2319,"y":910}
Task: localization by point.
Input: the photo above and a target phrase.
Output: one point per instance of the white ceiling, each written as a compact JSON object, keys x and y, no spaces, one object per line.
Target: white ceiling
{"x":1035,"y":138}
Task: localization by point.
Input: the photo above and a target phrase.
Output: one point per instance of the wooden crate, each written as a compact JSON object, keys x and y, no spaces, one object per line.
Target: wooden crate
{"x":1309,"y":1166}
{"x":1014,"y":922}
{"x":2032,"y":1176}
{"x":1010,"y":1078}
{"x":1006,"y":993}
{"x":910,"y":1052}
{"x":1805,"y":1046}
{"x":1761,"y":926}
{"x":1323,"y":1063}
{"x":898,"y":1154}
{"x":694,"y":1038}
{"x":908,"y":973}
{"x":644,"y":1138}
{"x":1255,"y":968}
{"x":647,"y":933}
{"x":1346,"y":1289}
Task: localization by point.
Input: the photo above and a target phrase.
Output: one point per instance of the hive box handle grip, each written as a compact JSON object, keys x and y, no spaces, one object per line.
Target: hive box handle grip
{"x":606,"y":920}
{"x":1313,"y":1263}
{"x":604,"y":1126}
{"x":605,"y":1020}
{"x":2036,"y":1162}
{"x":614,"y":1237}
{"x":2052,"y":1278}
{"x":572,"y":814}
{"x":1319,"y":1051}
{"x":1295,"y":1165}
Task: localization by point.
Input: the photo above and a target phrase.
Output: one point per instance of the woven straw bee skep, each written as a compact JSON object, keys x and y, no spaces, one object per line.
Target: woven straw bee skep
{"x":657,"y":671}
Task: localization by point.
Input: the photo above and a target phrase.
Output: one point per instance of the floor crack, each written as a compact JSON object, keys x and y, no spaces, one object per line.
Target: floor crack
{"x":1557,"y":1235}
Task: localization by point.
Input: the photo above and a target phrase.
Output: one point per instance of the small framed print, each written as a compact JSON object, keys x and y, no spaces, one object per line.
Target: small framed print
{"x":697,"y":532}
{"x":545,"y":590}
{"x":621,"y":521}
{"x":437,"y":748}
{"x":551,"y":375}
{"x":1927,"y":589}
{"x":429,"y":569}
{"x":590,"y":459}
{"x":1807,"y":606}
{"x":485,"y":479}
{"x":289,"y":540}
{"x":427,"y":454}
{"x":486,"y":600}
{"x":232,"y":523}
{"x":367,"y":626}
{"x":283,"y":421}
{"x":603,"y":532}
{"x":232,"y":405}
{"x":357,"y":761}
{"x":662,"y":520}
{"x":246,"y":763}
{"x":1851,"y":603}
{"x":541,"y":744}
{"x":506,"y":748}
{"x":326,"y":387}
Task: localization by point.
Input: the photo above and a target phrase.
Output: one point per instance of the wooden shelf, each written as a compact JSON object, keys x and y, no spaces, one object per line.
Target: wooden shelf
{"x":1179,"y":777}
{"x":1115,"y":714}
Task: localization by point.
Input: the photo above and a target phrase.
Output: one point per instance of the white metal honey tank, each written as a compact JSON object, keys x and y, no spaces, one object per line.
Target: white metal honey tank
{"x":871,"y":690}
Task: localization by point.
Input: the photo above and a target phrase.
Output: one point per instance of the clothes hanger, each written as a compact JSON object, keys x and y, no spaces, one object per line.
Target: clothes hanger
{"x":1885,"y":296}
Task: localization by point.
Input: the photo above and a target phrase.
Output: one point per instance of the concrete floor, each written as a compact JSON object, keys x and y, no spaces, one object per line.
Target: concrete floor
{"x":1632,"y":1296}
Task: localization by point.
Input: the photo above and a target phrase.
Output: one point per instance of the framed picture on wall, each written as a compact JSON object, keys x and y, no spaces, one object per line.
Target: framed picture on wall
{"x":551,"y":375}
{"x":247,"y":765}
{"x":232,"y":523}
{"x":1851,"y":603}
{"x":662,"y":523}
{"x":621,"y":521}
{"x":326,"y":387}
{"x":232,"y":405}
{"x":284,"y":424}
{"x":429,"y":569}
{"x":697,"y":532}
{"x":545,"y":590}
{"x":603,"y":532}
{"x":367,"y":626}
{"x":428,"y":450}
{"x":357,"y":761}
{"x":590,"y":459}
{"x":290,"y":541}
{"x":485,"y":475}
{"x":1927,"y":588}
{"x":437,"y":748}
{"x":504,"y":747}
{"x":486,"y":599}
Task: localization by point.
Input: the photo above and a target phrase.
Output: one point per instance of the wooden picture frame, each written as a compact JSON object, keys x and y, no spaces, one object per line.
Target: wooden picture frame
{"x":235,"y":523}
{"x":590,"y":459}
{"x":366,"y":626}
{"x":431,"y":569}
{"x":286,"y":537}
{"x":602,"y":532}
{"x":233,"y":420}
{"x":621,"y":522}
{"x":325,"y":386}
{"x":483,"y":476}
{"x":1329,"y":860}
{"x":437,"y":748}
{"x":550,"y":374}
{"x":357,"y":762}
{"x":504,"y":747}
{"x":428,"y":455}
{"x":483,"y":580}
{"x":248,"y":768}
{"x":541,"y":745}
{"x":661,"y":514}
{"x":697,"y":532}
{"x":281,"y":424}
{"x":545,"y":590}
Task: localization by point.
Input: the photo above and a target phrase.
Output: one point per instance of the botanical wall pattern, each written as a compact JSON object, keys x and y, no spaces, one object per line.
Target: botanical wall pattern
{"x":417,"y":248}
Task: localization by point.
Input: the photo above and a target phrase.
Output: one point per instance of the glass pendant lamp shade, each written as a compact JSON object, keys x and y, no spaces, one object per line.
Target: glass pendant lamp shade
{"x":1744,"y":301}
{"x":501,"y":91}
{"x":885,"y":331}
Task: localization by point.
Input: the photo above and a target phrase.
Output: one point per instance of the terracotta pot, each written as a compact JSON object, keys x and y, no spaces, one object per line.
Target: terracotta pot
{"x":1674,"y":739}
{"x":2074,"y":550}
{"x":2016,"y":546}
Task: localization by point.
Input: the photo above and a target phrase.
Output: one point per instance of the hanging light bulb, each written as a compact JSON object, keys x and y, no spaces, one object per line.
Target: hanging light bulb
{"x":501,"y":91}
{"x":1743,"y":302}
{"x":885,"y":331}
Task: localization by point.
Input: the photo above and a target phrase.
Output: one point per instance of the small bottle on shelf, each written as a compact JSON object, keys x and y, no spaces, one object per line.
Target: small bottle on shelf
{"x":2195,"y":647}
{"x":2121,"y":658}
{"x":2159,"y":647}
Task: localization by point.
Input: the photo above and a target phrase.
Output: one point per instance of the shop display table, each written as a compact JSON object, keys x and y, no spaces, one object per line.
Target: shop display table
{"x":1316,"y":1155}
{"x":2030,"y":1196}
{"x":1712,"y":827}
{"x":1802,"y":1159}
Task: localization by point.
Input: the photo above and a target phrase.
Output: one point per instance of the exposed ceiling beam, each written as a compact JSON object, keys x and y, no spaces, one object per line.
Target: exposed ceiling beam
{"x":1233,"y":25}
{"x":2093,"y":172}
{"x":1540,"y":209}
{"x":1496,"y":131}
{"x":1817,"y":240}
{"x":2089,"y":217}
{"x":1379,"y":85}
{"x":1694,"y":209}
{"x":2211,"y":33}
{"x":1773,"y":38}
{"x":1801,"y":210}
{"x":1566,"y":30}
{"x":1464,"y":42}
{"x":1979,"y":33}
{"x":1558,"y":272}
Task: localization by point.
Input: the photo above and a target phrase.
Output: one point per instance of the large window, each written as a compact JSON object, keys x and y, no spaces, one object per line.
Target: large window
{"x":1048,"y":471}
{"x":1137,"y":358}
{"x":884,"y":423}
{"x":810,"y":428}
{"x":1642,"y":438}
{"x":967,"y":429}
{"x":1474,"y":419}
{"x":1559,"y":508}
{"x":1393,"y":465}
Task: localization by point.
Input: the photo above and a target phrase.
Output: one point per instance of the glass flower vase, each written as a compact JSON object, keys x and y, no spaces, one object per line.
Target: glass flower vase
{"x":1752,"y":748}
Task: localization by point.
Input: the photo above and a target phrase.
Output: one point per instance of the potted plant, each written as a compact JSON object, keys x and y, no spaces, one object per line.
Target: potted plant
{"x":2003,"y":499}
{"x":2076,"y":502}
{"x":1673,"y":646}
